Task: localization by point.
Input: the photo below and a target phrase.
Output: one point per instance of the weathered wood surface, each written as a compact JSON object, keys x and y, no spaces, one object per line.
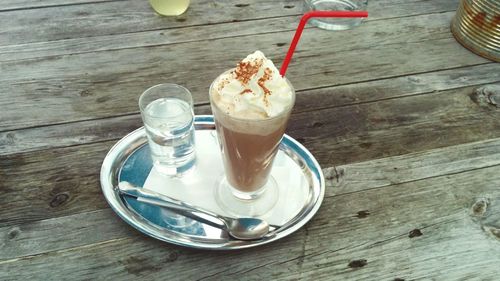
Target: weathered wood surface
{"x":101,"y":84}
{"x":410,"y":152}
{"x":114,"y":17}
{"x":98,"y":85}
{"x":407,"y":213}
{"x":8,"y":5}
{"x":271,"y":24}
{"x":359,"y":132}
{"x":308,"y":100}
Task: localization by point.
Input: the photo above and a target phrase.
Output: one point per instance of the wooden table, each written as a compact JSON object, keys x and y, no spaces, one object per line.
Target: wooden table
{"x":410,"y":149}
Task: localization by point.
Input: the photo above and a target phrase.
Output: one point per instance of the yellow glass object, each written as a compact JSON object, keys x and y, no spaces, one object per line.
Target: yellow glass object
{"x":169,"y":7}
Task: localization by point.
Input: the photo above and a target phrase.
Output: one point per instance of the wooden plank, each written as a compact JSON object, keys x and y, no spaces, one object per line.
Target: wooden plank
{"x":411,"y":167}
{"x":106,"y":18}
{"x":68,"y":134}
{"x":401,"y":86}
{"x":52,"y":183}
{"x":394,"y":127}
{"x":118,"y":17}
{"x":8,"y":5}
{"x":396,"y":31}
{"x":146,"y":38}
{"x":371,"y":33}
{"x":81,"y":229}
{"x":62,"y":233}
{"x":103,"y":84}
{"x":359,"y":132}
{"x":405,"y":231}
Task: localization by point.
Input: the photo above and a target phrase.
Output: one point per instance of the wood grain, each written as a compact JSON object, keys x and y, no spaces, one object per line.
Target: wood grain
{"x":411,"y":149}
{"x":146,"y":38}
{"x":410,"y":167}
{"x":376,"y":31}
{"x":106,"y":18}
{"x":51,"y":183}
{"x":63,"y":233}
{"x":67,"y":134}
{"x":360,"y":132}
{"x":118,"y":17}
{"x":402,"y":235}
{"x":98,"y":226}
{"x":103,"y":84}
{"x":8,"y":5}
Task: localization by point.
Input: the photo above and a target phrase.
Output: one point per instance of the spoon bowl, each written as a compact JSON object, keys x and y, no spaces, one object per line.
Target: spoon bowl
{"x":247,"y":228}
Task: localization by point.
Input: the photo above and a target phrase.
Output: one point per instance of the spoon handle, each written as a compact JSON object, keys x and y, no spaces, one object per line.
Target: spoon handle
{"x":179,"y":207}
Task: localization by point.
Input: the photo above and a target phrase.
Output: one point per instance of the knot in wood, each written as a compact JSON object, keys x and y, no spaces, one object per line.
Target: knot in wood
{"x":480,"y":207}
{"x":13,"y":233}
{"x":172,"y":257}
{"x":58,"y":200}
{"x":363,"y":214}
{"x":358,"y":263}
{"x":495,"y":232}
{"x":10,"y":138}
{"x":415,"y":233}
{"x":85,"y":93}
{"x":488,"y":95}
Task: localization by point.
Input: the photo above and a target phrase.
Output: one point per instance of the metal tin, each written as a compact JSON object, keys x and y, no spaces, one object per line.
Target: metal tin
{"x":476,"y":26}
{"x":129,"y":160}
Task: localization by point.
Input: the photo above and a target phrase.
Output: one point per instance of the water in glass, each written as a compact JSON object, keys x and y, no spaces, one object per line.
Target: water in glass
{"x":170,"y":130}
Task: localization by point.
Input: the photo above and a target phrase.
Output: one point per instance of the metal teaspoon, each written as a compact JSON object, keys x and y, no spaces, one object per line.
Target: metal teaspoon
{"x":239,"y":228}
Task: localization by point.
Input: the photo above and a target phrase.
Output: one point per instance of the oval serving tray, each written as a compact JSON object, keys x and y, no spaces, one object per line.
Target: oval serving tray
{"x":129,"y":160}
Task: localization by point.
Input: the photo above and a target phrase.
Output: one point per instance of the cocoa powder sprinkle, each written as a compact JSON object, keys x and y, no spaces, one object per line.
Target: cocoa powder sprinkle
{"x":262,"y":80}
{"x":246,"y":70}
{"x":222,"y":84}
{"x":245,"y":91}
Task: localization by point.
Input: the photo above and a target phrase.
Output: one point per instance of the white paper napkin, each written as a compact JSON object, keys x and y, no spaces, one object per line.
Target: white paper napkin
{"x":197,"y":187}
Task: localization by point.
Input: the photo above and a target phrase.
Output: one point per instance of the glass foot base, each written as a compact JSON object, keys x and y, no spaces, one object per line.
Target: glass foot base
{"x":246,"y":204}
{"x":174,"y":171}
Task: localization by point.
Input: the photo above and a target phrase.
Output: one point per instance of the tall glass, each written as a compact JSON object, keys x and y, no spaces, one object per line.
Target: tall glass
{"x":248,"y":149}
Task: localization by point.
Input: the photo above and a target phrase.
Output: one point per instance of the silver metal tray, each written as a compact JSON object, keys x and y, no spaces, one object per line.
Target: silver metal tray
{"x":130,"y":160}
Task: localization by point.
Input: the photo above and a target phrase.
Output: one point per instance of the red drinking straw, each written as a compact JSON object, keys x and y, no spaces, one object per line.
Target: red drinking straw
{"x":303,"y":21}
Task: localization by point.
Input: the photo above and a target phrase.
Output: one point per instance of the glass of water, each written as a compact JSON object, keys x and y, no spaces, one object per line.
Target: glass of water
{"x":167,"y":113}
{"x":336,"y":5}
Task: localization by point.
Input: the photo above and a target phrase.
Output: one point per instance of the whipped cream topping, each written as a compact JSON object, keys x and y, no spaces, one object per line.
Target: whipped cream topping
{"x":253,"y":90}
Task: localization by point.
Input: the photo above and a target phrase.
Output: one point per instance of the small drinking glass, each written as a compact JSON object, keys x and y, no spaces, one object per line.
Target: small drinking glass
{"x":167,"y":113}
{"x":336,"y":5}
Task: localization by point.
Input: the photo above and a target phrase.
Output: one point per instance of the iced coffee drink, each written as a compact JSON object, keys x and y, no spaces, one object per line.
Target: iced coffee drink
{"x":251,"y":105}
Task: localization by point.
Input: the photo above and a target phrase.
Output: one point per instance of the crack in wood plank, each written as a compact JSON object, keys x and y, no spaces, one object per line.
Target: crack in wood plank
{"x":213,"y":275}
{"x":77,"y":248}
{"x":17,"y":6}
